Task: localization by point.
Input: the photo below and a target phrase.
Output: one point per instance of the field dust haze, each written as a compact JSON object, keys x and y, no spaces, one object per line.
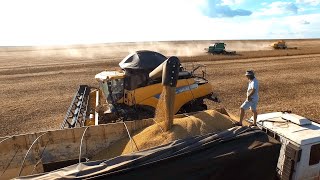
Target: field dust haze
{"x":248,"y":46}
{"x":121,"y":49}
{"x":167,"y":48}
{"x":46,"y":55}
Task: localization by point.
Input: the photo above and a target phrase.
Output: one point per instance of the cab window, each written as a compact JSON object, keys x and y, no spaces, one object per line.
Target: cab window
{"x":314,"y":154}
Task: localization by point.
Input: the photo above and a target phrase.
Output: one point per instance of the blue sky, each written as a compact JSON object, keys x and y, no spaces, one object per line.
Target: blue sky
{"x":52,"y":22}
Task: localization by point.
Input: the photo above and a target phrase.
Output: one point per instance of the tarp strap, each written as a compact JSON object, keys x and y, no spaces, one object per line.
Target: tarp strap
{"x":5,"y":139}
{"x":270,"y":120}
{"x":35,"y":166}
{"x":284,"y":122}
{"x":84,"y":132}
{"x":131,"y":139}
{"x":24,"y":159}
{"x":10,"y":162}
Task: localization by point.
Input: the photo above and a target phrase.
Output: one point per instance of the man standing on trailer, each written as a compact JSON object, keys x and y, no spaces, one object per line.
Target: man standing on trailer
{"x":252,"y":97}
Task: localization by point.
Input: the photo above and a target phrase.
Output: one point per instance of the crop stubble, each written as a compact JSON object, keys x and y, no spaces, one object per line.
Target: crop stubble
{"x":36,"y":92}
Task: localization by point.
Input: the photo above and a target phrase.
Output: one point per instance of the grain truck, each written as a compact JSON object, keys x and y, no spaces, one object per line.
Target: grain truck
{"x":283,"y":146}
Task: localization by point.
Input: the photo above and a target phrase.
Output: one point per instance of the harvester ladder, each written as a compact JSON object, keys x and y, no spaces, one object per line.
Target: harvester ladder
{"x":77,"y":111}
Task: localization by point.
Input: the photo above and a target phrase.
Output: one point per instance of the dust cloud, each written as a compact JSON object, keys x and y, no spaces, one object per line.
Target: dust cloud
{"x":248,"y":46}
{"x":45,"y":55}
{"x":179,"y":48}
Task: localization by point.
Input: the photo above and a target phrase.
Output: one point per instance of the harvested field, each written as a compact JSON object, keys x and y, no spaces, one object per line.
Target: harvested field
{"x":37,"y":84}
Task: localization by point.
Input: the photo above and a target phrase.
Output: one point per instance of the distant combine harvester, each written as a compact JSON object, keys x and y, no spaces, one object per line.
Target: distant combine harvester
{"x":219,"y":48}
{"x":281,"y":45}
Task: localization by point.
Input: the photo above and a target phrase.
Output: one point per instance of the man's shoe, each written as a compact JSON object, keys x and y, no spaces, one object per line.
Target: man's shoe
{"x":253,"y":125}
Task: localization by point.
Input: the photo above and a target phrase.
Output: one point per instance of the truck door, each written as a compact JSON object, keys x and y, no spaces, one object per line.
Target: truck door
{"x":314,"y":162}
{"x":292,"y":157}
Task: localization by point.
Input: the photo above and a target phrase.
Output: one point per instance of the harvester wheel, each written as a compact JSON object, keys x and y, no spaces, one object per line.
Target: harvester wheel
{"x":193,"y":107}
{"x":200,"y":107}
{"x":204,"y":107}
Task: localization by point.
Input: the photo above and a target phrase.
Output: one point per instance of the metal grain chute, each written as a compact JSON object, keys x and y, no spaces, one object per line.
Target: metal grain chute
{"x":169,"y":71}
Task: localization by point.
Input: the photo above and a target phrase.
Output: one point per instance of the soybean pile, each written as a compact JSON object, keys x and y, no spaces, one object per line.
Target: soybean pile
{"x":184,"y":126}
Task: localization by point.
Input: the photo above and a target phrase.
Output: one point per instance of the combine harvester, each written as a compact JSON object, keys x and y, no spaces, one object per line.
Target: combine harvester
{"x":219,"y":48}
{"x":285,"y":145}
{"x":133,"y":92}
{"x":281,"y":45}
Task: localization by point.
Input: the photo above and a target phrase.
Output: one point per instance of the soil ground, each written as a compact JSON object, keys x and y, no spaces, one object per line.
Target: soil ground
{"x":38,"y":83}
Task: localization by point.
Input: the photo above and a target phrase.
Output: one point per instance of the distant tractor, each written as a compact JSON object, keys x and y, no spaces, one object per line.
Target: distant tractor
{"x":219,"y":48}
{"x":279,"y":45}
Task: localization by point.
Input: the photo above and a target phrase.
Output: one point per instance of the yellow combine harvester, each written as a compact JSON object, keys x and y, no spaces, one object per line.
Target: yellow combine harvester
{"x":279,"y":45}
{"x":133,"y":92}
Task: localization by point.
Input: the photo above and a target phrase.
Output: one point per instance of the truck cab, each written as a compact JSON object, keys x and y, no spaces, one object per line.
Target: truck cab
{"x":300,"y":138}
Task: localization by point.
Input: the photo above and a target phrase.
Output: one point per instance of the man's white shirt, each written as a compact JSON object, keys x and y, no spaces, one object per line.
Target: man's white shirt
{"x":254,"y":84}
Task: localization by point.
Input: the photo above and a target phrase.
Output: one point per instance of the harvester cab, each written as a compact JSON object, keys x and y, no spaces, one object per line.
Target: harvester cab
{"x":133,"y":92}
{"x":112,"y":85}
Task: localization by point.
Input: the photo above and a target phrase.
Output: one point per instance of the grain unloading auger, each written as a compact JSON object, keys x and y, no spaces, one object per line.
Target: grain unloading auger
{"x":133,"y":92}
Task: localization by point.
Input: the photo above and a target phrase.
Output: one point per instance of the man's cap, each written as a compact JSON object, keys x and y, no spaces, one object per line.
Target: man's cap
{"x":249,"y":73}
